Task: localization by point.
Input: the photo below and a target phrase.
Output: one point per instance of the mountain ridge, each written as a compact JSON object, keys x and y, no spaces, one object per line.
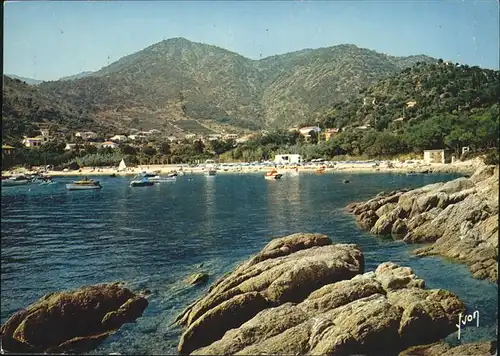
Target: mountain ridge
{"x":183,"y":86}
{"x":29,"y":81}
{"x":177,"y":79}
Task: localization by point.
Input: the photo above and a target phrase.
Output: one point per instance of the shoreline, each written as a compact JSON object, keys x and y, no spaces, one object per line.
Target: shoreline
{"x":467,"y":167}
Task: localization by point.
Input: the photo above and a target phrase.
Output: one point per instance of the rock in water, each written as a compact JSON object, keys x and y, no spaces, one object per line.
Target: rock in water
{"x":460,"y":217}
{"x":71,"y":321}
{"x":304,"y":295}
{"x":197,"y":278}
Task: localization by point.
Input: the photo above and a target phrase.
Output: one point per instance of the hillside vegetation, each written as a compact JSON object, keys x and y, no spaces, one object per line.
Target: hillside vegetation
{"x":26,"y":105}
{"x":386,"y":105}
{"x":181,"y":80}
{"x":426,"y":106}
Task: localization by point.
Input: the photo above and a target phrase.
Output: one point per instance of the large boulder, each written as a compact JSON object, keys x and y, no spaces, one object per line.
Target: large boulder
{"x":384,"y":224}
{"x":71,"y":321}
{"x":288,"y":269}
{"x":379,"y":312}
{"x":367,"y":219}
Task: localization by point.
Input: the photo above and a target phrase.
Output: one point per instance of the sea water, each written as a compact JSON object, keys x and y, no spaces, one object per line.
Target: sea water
{"x":153,"y":237}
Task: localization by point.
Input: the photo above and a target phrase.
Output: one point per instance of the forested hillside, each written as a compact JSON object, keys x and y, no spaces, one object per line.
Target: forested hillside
{"x":26,"y":105}
{"x":425,"y":106}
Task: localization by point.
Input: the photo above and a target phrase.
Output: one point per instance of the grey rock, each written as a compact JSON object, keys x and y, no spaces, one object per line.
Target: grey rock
{"x":459,"y":216}
{"x":197,"y":278}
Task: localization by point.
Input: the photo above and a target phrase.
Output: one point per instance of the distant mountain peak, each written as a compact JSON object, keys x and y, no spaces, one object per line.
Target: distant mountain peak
{"x":29,"y":81}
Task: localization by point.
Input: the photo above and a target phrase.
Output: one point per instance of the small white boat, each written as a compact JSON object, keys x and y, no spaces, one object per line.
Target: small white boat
{"x":86,"y":184}
{"x":15,"y":182}
{"x":20,"y":179}
{"x":122,"y":166}
{"x":210,"y":172}
{"x":162,"y":179}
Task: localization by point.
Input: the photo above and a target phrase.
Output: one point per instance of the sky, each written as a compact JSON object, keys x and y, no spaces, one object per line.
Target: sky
{"x":47,"y":40}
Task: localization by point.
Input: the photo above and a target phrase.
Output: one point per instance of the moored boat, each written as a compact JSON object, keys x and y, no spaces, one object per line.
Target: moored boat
{"x":16,"y":180}
{"x":210,"y":172}
{"x":169,"y":178}
{"x":273,"y":175}
{"x":143,"y":182}
{"x":85,"y":184}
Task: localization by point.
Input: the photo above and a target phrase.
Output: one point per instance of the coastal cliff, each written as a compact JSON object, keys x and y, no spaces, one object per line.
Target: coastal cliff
{"x":304,"y":295}
{"x":459,"y":217}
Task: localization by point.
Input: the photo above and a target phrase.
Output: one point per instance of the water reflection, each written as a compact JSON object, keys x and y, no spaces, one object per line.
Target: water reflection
{"x":210,"y":204}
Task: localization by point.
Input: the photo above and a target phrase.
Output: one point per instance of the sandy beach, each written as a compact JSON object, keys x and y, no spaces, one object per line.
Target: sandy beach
{"x":465,"y":167}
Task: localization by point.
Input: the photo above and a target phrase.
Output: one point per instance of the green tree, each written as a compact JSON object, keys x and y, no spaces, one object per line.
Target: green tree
{"x":165,"y":148}
{"x":313,"y":137}
{"x":127,"y":149}
{"x":198,"y":146}
{"x":149,"y":151}
{"x":90,"y":149}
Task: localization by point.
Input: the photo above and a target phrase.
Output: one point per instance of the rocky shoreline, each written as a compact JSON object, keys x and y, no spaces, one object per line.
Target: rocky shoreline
{"x":459,"y":217}
{"x":301,"y":294}
{"x":304,"y":295}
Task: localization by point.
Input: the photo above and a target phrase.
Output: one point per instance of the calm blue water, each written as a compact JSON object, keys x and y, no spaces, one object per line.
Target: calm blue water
{"x":153,"y":237}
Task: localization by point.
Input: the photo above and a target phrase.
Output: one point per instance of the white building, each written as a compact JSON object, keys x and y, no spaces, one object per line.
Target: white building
{"x":306,"y":130}
{"x":288,"y":159}
{"x":109,"y":144}
{"x":137,"y":137}
{"x":214,"y":137}
{"x":86,"y":135}
{"x":435,"y":156}
{"x":34,"y":141}
{"x":230,"y":136}
{"x":118,"y":138}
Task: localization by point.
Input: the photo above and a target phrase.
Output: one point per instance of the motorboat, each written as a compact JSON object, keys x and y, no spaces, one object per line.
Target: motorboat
{"x":157,"y":178}
{"x":85,"y":184}
{"x":149,"y":174}
{"x":143,"y":182}
{"x":210,"y":172}
{"x":273,"y":175}
{"x":16,"y":180}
